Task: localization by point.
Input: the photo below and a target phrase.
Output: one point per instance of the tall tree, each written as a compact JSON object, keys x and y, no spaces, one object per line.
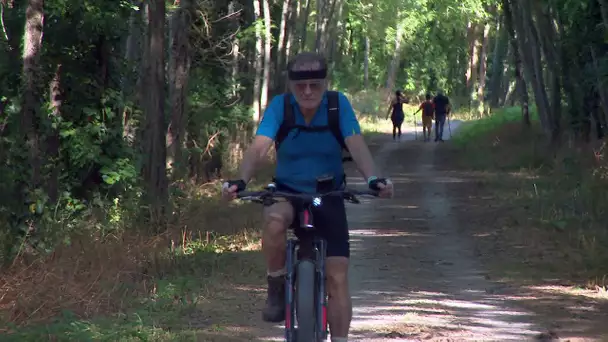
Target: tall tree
{"x":258,"y":64}
{"x":32,"y":45}
{"x":267,"y":54}
{"x":154,"y":148}
{"x":522,"y":86}
{"x":179,"y":69}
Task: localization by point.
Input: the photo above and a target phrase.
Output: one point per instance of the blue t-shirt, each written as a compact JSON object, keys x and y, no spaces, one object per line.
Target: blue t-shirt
{"x":304,"y":156}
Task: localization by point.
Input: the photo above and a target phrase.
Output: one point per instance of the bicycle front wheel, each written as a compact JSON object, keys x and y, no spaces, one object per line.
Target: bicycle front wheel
{"x":305,"y":301}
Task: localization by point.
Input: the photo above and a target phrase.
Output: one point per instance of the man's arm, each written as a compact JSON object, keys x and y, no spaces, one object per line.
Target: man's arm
{"x":265,"y":135}
{"x":362,"y":156}
{"x":252,"y":156}
{"x":351,"y":130}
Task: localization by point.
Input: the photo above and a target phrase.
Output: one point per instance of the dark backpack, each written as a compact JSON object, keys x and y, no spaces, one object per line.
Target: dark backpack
{"x":333,"y":122}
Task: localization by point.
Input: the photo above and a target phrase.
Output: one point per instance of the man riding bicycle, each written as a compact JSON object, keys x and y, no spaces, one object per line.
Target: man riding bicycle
{"x":308,"y":150}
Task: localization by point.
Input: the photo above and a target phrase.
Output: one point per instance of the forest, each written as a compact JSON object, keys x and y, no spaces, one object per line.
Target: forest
{"x":120,"y":117}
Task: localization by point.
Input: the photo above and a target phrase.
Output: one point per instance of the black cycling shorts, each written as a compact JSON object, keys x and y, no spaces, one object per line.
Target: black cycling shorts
{"x":329,"y":220}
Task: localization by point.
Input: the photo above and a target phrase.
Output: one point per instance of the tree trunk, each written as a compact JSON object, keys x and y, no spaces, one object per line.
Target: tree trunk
{"x":547,"y":37}
{"x":52,"y":140}
{"x":144,"y":66}
{"x":471,"y":75}
{"x":521,"y":85}
{"x":235,"y":51}
{"x":327,"y":29}
{"x":154,"y":144}
{"x":321,"y":7}
{"x":3,"y":25}
{"x":338,"y":40}
{"x":306,"y":14}
{"x":32,"y":46}
{"x":258,"y":63}
{"x":483,"y":63}
{"x":604,"y":9}
{"x":366,"y":63}
{"x":498,"y":64}
{"x":392,"y":73}
{"x":291,"y":47}
{"x":601,"y":91}
{"x":133,"y":53}
{"x":532,"y":63}
{"x":178,"y":85}
{"x":282,"y":43}
{"x":336,"y":29}
{"x":267,"y":55}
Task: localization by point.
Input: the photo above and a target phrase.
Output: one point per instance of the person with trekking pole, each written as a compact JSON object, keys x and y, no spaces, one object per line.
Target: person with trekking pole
{"x":428,"y":114}
{"x":442,"y":110}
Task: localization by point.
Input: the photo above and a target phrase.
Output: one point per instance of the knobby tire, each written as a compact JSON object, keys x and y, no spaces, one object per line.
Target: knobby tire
{"x":305,"y":301}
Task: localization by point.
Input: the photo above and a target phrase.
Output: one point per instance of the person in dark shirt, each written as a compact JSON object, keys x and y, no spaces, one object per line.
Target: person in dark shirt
{"x":442,"y":110}
{"x":396,"y":113}
{"x":428,"y":112}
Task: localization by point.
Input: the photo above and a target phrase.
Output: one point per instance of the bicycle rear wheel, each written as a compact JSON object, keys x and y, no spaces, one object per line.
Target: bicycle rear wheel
{"x":305,"y":301}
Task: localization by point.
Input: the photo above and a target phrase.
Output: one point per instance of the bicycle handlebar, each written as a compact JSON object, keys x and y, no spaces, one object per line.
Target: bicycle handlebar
{"x":348,"y":194}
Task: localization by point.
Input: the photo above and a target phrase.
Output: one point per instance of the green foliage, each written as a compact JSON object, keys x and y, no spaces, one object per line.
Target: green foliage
{"x":367,"y":102}
{"x":97,"y":169}
{"x":433,"y":37}
{"x":479,"y":140}
{"x":470,"y":132}
{"x":562,"y":190}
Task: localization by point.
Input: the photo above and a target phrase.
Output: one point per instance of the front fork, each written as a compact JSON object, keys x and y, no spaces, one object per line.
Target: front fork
{"x":289,"y":281}
{"x":321,"y":296}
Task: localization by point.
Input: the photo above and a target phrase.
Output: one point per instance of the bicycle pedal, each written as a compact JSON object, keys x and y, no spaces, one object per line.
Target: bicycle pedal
{"x":291,"y":234}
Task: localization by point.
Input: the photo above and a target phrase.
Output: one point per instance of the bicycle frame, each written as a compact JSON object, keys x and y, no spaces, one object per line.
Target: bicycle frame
{"x":308,"y":246}
{"x":311,"y":247}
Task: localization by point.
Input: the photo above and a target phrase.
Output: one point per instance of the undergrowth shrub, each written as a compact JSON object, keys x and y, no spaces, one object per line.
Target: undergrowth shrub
{"x":500,"y":141}
{"x":99,"y":274}
{"x":566,"y":187}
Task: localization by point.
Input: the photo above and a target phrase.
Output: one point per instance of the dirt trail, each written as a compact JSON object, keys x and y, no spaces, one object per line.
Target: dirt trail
{"x":414,"y":273}
{"x":414,"y":277}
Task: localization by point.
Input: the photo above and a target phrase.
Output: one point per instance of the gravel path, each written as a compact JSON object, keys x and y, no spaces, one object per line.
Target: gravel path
{"x":414,"y":277}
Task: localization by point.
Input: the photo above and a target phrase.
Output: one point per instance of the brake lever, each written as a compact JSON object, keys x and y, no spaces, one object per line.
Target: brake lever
{"x":351,"y":198}
{"x":268,"y":201}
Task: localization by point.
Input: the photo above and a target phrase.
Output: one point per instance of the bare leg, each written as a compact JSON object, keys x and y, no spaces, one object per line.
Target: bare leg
{"x":277,"y":219}
{"x":340,"y":310}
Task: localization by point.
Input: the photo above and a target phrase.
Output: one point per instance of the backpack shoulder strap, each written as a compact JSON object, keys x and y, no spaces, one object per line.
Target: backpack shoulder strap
{"x":333,"y":116}
{"x":333,"y":120}
{"x":288,"y":122}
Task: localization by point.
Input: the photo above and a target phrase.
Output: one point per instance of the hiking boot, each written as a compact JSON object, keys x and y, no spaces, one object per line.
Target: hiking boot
{"x":274,"y":311}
